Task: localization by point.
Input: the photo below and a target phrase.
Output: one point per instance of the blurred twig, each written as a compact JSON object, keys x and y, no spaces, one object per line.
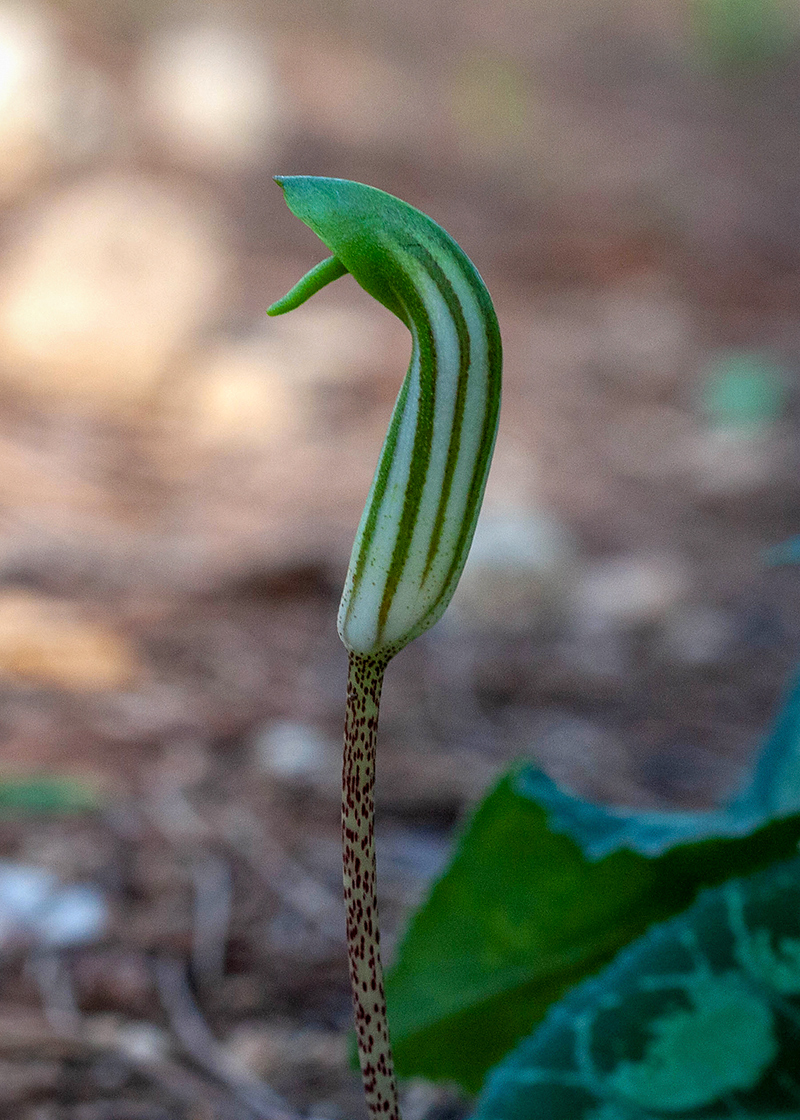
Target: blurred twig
{"x":299,"y":891}
{"x":192,"y":1031}
{"x":25,"y":1032}
{"x":213,"y":903}
{"x":50,"y":972}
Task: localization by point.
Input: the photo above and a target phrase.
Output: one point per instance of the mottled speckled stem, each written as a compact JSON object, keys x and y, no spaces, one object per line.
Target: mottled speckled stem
{"x":364,"y":683}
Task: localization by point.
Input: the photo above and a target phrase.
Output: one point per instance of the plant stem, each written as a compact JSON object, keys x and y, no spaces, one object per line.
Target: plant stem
{"x":364,"y":681}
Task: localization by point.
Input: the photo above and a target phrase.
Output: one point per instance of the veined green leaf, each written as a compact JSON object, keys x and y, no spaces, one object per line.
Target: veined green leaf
{"x":699,"y":1018}
{"x":521,"y":915}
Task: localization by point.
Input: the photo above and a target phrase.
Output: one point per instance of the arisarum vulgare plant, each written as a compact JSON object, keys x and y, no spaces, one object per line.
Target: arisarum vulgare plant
{"x":420,"y":515}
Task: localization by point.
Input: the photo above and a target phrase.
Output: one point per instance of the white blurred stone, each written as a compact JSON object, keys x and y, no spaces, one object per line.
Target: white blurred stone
{"x":279,"y":384}
{"x":628,"y":591}
{"x":725,"y":461}
{"x":422,"y":1099}
{"x":698,"y":634}
{"x":76,"y":915}
{"x":34,"y":906}
{"x":645,"y":334}
{"x":518,"y":570}
{"x":586,"y":759}
{"x":24,"y":891}
{"x":291,"y":750}
{"x":513,"y":485}
{"x":109,"y":281}
{"x":210,"y":94}
{"x":270,"y":1049}
{"x":141,"y":1041}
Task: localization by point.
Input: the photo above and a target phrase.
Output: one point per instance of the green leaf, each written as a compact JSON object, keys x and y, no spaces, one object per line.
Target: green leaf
{"x":787,"y":552}
{"x":742,"y":34}
{"x":743,"y":392}
{"x":699,"y":1018}
{"x":521,"y":915}
{"x":46,"y":794}
{"x":574,"y":882}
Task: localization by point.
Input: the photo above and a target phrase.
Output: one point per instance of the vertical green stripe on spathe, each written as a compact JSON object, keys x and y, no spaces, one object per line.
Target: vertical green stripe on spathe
{"x":427,"y":366}
{"x":481,"y":472}
{"x":415,"y":588}
{"x":464,"y":351}
{"x":420,"y":516}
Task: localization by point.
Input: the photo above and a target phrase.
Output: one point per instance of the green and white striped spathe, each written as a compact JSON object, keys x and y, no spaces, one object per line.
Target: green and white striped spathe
{"x":420,"y":515}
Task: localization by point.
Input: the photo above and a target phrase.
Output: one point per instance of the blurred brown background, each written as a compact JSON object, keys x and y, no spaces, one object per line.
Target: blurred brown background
{"x":180,"y":481}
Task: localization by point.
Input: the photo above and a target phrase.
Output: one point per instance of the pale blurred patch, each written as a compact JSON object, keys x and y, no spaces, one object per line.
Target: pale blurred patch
{"x":630,"y":590}
{"x":341,"y":344}
{"x":52,"y":643}
{"x":108,"y":282}
{"x":28,"y":94}
{"x":279,"y":384}
{"x":652,"y":442}
{"x":233,"y":401}
{"x":210,"y":94}
{"x":723,"y":462}
{"x":355,"y":96}
{"x":53,"y":108}
{"x":646,"y":334}
{"x":518,"y":573}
